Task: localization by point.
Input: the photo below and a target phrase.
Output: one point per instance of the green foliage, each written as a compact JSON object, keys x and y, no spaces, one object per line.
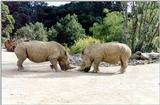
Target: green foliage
{"x":7,"y":21}
{"x":32,"y":31}
{"x":3,"y":39}
{"x":25,"y":12}
{"x":22,"y":12}
{"x":156,"y":43}
{"x":81,"y":44}
{"x":69,"y":29}
{"x":144,"y":26}
{"x":149,"y":47}
{"x":140,"y":33}
{"x":52,"y":34}
{"x":66,"y":47}
{"x":111,"y":29}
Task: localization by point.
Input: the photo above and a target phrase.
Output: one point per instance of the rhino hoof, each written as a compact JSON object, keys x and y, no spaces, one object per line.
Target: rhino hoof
{"x":20,"y":69}
{"x":51,"y":66}
{"x":94,"y":71}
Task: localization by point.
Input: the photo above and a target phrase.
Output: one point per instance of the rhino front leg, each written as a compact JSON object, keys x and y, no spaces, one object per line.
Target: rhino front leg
{"x":54,"y":64}
{"x":96,"y":65}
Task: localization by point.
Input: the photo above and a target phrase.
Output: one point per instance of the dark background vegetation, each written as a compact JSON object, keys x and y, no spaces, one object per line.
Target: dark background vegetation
{"x":78,"y":24}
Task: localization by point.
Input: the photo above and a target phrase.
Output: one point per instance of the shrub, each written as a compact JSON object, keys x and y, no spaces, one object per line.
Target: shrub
{"x":110,"y":29}
{"x":81,"y":44}
{"x":3,"y":39}
{"x":35,"y":31}
{"x":52,"y":34}
{"x":69,"y":29}
{"x":7,"y":21}
{"x":156,"y":43}
{"x":66,"y":47}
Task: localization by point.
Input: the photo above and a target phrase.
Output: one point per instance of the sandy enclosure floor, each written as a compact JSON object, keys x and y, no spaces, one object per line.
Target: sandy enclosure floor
{"x":38,"y":84}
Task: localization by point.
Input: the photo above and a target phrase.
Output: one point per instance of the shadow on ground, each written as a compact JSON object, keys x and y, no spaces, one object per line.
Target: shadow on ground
{"x":49,"y":73}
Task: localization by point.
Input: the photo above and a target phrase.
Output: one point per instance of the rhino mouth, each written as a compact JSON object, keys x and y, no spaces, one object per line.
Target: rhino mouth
{"x":87,"y":69}
{"x":63,"y":67}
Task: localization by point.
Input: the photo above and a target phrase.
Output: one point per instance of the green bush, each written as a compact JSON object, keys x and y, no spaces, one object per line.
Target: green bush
{"x":35,"y":31}
{"x":149,"y":47}
{"x":66,"y":47}
{"x":156,"y":43}
{"x":52,"y":34}
{"x":7,"y":21}
{"x":110,"y":29}
{"x":69,"y":29}
{"x":3,"y":39}
{"x":80,"y":44}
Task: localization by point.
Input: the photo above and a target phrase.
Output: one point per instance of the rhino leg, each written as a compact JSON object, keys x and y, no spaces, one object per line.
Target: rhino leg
{"x":21,"y":59}
{"x":19,"y":64}
{"x":53,"y":64}
{"x":21,"y":54}
{"x":124,"y":63}
{"x":96,"y":65}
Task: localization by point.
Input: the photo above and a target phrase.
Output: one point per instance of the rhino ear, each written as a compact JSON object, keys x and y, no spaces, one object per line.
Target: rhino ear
{"x":65,"y":53}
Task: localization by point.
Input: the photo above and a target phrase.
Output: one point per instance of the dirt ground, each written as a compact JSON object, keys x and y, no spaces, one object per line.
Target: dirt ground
{"x":38,"y":84}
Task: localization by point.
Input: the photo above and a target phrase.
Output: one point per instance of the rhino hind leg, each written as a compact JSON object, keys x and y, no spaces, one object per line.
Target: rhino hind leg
{"x":21,"y":59}
{"x":124,"y":64}
{"x":21,"y":54}
{"x":19,"y":64}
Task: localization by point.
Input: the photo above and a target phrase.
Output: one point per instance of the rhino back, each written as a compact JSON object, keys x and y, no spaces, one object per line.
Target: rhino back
{"x":38,"y":51}
{"x":115,"y":48}
{"x":114,"y":51}
{"x":109,"y":52}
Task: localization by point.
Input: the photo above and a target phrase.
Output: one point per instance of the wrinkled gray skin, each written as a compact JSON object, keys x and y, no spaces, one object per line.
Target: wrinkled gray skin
{"x":38,"y":51}
{"x":112,"y":53}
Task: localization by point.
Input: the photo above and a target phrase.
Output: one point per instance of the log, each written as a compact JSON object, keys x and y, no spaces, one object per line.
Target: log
{"x":10,"y":45}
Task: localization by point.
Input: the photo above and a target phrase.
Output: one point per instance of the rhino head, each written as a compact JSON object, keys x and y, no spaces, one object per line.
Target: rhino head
{"x":64,"y":62}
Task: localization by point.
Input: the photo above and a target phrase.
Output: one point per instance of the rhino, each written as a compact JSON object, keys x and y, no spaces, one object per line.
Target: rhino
{"x":38,"y":51}
{"x":111,"y":52}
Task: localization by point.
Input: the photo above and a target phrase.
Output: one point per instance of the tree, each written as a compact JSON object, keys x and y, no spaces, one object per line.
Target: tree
{"x":111,"y":27}
{"x":125,"y":22}
{"x":145,"y":25}
{"x":91,"y":12}
{"x":22,"y":13}
{"x":52,"y":34}
{"x":134,"y":25}
{"x":32,"y":32}
{"x":87,"y":12}
{"x":7,"y":21}
{"x":69,"y":29}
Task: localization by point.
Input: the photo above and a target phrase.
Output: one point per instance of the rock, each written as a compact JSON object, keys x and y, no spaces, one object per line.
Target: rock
{"x":137,"y":62}
{"x":75,"y":59}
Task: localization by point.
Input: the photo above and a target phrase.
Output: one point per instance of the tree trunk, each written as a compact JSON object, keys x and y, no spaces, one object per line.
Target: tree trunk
{"x":134,"y":26}
{"x":125,"y":24}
